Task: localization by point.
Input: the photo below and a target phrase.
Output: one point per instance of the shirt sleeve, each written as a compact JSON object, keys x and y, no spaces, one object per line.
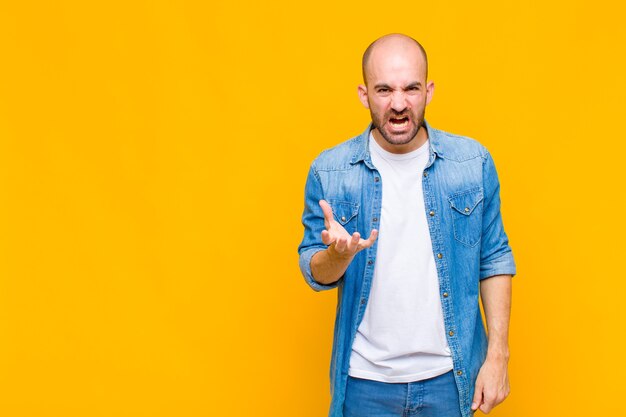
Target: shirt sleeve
{"x":496,"y":257}
{"x":313,"y":222}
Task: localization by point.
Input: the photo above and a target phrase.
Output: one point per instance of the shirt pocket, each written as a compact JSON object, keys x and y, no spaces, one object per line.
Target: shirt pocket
{"x":345,"y":213}
{"x":467,"y":213}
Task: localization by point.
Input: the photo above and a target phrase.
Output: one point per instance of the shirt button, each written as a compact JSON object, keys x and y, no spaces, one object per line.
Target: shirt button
{"x":445,"y":294}
{"x":432,"y":213}
{"x":375,"y":219}
{"x":343,"y":218}
{"x":467,"y":209}
{"x":370,"y":262}
{"x":451,"y":333}
{"x":362,"y":301}
{"x":376,"y":179}
{"x":425,"y":173}
{"x":439,"y":255}
{"x":459,"y":372}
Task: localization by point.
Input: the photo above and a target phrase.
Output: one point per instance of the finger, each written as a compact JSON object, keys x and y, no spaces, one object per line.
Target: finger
{"x":477,"y":404}
{"x":478,"y":397}
{"x":489,"y":401}
{"x":327,"y":238}
{"x":354,"y":242}
{"x":341,"y":244}
{"x":370,"y":240}
{"x":327,"y":210}
{"x":485,"y":408}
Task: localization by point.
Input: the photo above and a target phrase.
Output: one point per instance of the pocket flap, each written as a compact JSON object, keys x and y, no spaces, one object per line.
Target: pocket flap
{"x":343,"y":211}
{"x":466,"y":201}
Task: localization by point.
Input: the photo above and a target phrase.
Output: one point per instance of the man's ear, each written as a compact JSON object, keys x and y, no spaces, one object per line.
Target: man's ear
{"x":430,"y":90}
{"x":362,"y":90}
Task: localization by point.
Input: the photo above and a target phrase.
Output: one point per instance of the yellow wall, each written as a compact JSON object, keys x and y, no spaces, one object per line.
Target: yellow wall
{"x":152,"y":164}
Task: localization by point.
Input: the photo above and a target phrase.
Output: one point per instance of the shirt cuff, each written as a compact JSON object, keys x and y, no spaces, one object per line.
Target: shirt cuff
{"x":305,"y":267}
{"x":504,"y":265}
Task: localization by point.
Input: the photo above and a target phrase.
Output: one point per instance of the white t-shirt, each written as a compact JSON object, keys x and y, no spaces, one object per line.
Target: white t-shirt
{"x":402,"y":335}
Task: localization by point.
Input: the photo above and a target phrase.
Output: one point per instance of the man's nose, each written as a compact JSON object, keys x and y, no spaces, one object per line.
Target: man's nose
{"x":398,"y":102}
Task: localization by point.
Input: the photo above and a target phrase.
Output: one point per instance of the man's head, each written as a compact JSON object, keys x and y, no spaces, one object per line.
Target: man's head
{"x":396,"y":90}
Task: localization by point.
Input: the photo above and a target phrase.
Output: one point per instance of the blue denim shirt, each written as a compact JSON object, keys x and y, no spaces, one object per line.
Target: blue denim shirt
{"x":462,"y":207}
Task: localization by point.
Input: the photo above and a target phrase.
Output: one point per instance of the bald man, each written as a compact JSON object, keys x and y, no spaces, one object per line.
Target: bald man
{"x":409,"y":337}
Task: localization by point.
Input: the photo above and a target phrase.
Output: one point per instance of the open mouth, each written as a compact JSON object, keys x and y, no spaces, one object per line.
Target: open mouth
{"x":399,"y":122}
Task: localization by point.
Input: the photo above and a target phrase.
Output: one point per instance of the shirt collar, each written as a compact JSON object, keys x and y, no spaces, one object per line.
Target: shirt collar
{"x":362,"y":145}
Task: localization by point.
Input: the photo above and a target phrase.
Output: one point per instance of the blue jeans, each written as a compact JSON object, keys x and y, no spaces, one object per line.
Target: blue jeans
{"x":433,"y":397}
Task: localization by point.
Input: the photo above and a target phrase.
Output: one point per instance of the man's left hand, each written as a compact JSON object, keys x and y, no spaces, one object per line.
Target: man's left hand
{"x":492,"y":385}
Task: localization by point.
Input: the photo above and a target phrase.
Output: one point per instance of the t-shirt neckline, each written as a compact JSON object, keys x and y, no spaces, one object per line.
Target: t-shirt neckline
{"x":396,"y":156}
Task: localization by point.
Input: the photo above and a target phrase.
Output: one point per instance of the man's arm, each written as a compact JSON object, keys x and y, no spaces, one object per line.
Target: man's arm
{"x":326,"y":249}
{"x":497,"y":268}
{"x":496,"y":257}
{"x":492,"y":383}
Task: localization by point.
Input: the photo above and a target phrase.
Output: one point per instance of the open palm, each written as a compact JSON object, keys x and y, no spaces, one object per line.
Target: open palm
{"x":339,"y":239}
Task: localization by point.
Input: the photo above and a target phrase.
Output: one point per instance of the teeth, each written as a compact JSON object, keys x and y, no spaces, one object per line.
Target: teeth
{"x":405,"y":122}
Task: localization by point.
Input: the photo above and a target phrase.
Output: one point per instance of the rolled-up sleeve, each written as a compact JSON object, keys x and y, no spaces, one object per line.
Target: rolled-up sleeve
{"x":313,"y":222}
{"x":496,"y":256}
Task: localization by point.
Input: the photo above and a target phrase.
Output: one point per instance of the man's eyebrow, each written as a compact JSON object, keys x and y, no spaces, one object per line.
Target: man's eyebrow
{"x":413,"y":84}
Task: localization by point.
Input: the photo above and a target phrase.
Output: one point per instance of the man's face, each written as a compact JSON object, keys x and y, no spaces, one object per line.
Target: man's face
{"x":396,"y":93}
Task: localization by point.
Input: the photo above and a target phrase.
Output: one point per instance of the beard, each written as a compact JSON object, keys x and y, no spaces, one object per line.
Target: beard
{"x":381,"y":123}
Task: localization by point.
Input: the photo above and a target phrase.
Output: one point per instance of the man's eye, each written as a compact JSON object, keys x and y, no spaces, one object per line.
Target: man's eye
{"x":383,"y":90}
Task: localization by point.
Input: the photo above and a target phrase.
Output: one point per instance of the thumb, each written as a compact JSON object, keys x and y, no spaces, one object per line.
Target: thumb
{"x":478,"y":397}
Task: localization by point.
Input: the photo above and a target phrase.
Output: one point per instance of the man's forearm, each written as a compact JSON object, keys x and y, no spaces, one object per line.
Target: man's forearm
{"x":496,"y":297}
{"x":327,"y":266}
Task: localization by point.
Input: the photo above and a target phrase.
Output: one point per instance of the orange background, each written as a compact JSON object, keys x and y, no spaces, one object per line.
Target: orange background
{"x":152,"y":164}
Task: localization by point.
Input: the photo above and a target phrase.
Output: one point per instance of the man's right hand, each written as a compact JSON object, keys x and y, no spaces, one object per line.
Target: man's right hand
{"x":327,"y":266}
{"x":340,"y":242}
